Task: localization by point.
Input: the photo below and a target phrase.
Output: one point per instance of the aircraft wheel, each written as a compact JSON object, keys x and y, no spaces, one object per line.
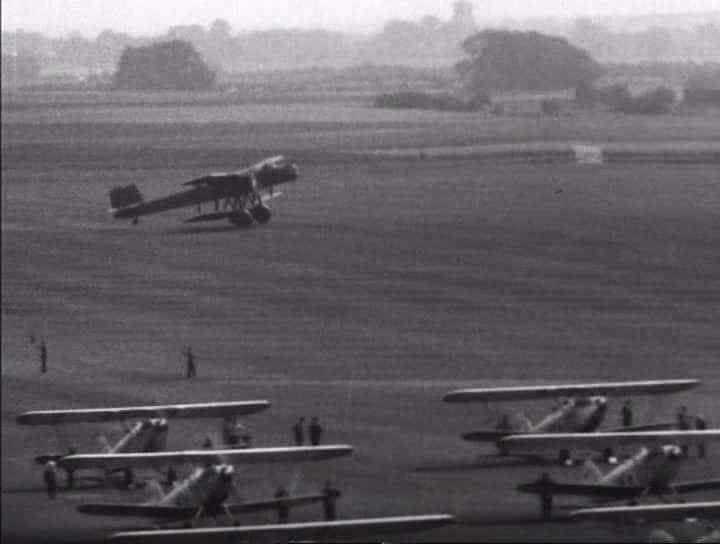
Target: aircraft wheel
{"x":241,"y":218}
{"x":261,"y":213}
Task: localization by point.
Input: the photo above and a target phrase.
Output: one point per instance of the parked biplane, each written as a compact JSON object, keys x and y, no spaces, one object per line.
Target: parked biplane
{"x":149,"y":431}
{"x":649,"y":471}
{"x":695,"y":520}
{"x":582,"y":407}
{"x":206,"y":490}
{"x":240,"y":197}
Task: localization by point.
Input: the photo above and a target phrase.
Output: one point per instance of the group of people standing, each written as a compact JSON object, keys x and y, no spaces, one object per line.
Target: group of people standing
{"x":314,"y":431}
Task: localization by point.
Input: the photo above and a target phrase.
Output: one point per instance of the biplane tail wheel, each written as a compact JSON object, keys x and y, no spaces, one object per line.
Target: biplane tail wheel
{"x":242,"y":218}
{"x":261,"y":213}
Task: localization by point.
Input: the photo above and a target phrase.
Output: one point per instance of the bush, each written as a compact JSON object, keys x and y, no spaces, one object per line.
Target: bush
{"x":427,"y":101}
{"x":657,"y":101}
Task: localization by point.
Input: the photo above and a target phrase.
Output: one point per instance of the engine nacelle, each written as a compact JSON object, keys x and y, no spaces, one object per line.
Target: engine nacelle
{"x":261,"y":213}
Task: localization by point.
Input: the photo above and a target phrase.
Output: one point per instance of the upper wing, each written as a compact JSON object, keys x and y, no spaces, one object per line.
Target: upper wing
{"x":659,"y":512}
{"x":241,"y":178}
{"x":237,"y":457}
{"x":92,"y":415}
{"x":649,"y":387}
{"x":542,"y":441}
{"x":320,"y":530}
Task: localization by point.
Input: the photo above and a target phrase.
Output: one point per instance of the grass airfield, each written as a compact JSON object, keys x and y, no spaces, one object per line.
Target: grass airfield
{"x":380,"y":284}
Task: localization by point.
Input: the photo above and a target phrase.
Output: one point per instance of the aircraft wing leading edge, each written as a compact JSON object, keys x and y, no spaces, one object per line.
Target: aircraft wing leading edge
{"x":321,"y":530}
{"x":93,"y":415}
{"x":110,"y":461}
{"x":658,"y":512}
{"x":648,"y":387}
{"x":543,"y":441}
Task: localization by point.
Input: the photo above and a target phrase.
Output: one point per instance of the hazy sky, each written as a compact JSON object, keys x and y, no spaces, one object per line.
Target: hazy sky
{"x":89,"y":17}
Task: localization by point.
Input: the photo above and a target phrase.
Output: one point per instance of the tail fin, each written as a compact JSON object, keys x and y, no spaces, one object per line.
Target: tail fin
{"x":590,"y":473}
{"x":122,"y":197}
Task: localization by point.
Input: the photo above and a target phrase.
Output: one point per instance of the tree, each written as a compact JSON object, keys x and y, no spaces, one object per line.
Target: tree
{"x":505,"y":60}
{"x":167,"y":65}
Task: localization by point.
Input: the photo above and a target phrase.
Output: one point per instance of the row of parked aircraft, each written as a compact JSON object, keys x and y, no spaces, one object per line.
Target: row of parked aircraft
{"x":208,"y":489}
{"x":650,"y":470}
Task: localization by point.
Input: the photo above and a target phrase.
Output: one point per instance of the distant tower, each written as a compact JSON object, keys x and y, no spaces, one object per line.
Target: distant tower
{"x":463,"y":15}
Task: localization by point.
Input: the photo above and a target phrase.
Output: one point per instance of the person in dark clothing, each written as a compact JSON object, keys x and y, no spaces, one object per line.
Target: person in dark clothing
{"x":683,"y":424}
{"x":627,"y":414}
{"x":546,"y":498}
{"x":330,"y":495}
{"x":43,"y":356}
{"x":701,"y":425}
{"x":315,"y":431}
{"x":207,"y":444}
{"x":190,"y":363}
{"x":299,"y":431}
{"x":50,"y":477}
{"x":70,"y":473}
{"x":283,"y":510}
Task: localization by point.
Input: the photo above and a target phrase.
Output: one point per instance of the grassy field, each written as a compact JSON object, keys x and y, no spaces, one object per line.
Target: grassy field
{"x":380,"y":284}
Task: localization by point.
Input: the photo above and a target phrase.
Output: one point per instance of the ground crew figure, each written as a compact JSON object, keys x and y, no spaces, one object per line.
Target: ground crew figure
{"x":627,"y":414}
{"x":43,"y":356}
{"x":330,"y":495}
{"x":50,"y":477}
{"x":546,"y":498}
{"x":207,"y":444}
{"x":190,"y":363}
{"x":70,"y":473}
{"x":283,"y":510}
{"x":315,"y":431}
{"x":701,"y":425}
{"x":683,"y":424}
{"x":299,"y":431}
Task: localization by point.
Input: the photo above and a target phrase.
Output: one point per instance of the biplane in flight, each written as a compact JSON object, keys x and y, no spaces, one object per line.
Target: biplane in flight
{"x":206,"y":490}
{"x":146,"y":427}
{"x":582,"y":407}
{"x":649,"y":471}
{"x":240,"y":197}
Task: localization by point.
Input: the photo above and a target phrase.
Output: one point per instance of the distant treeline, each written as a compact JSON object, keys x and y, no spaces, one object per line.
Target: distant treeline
{"x":427,"y":42}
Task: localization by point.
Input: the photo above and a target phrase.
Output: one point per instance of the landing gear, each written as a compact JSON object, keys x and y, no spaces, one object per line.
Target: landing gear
{"x":128,"y":477}
{"x":261,"y":213}
{"x":241,"y":218}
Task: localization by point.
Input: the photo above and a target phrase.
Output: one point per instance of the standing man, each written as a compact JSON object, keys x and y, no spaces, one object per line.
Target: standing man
{"x":190,"y":363}
{"x":315,"y":431}
{"x":330,"y":495}
{"x":701,"y":425}
{"x":43,"y":356}
{"x":283,"y":510}
{"x":50,"y":477}
{"x":627,"y":414}
{"x":546,"y":498}
{"x":70,"y":473}
{"x":299,"y":431}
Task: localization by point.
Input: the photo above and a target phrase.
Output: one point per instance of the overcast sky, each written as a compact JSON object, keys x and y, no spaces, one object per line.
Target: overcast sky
{"x":58,"y":17}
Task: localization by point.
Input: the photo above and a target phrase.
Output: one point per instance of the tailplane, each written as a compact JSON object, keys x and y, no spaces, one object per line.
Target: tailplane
{"x":122,"y":197}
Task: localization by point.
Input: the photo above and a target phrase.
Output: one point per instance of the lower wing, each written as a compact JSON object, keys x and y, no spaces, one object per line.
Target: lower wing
{"x":322,"y":530}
